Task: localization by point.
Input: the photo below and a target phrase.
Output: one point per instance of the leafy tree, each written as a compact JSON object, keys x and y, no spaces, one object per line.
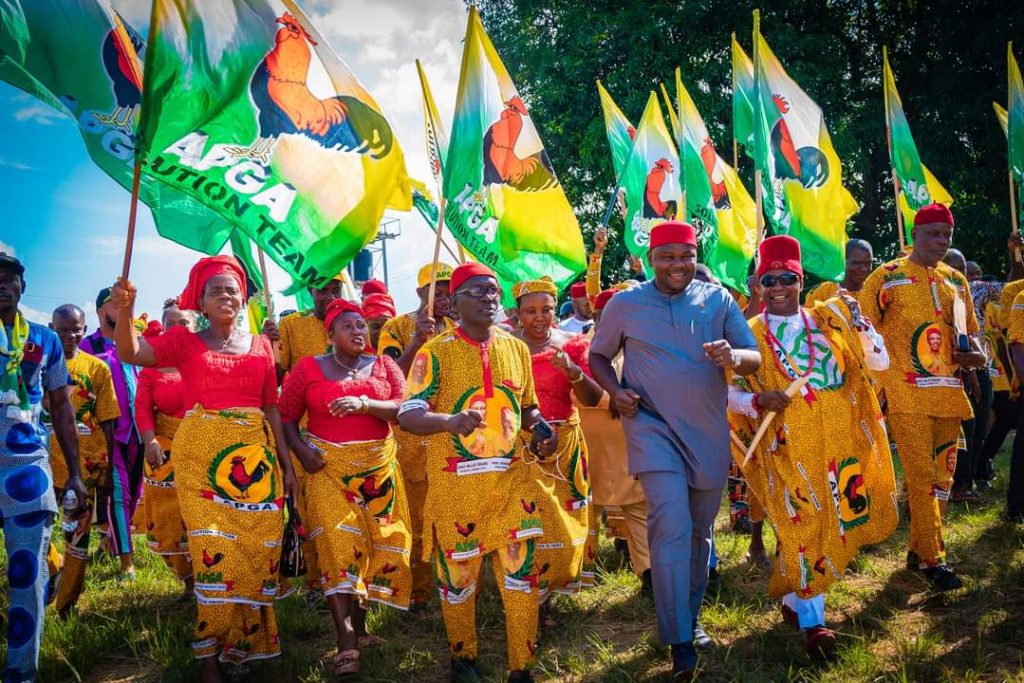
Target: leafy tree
{"x":948,"y":57}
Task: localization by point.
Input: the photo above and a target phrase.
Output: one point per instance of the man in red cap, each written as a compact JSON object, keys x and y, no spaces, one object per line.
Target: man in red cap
{"x":827,"y":483}
{"x":471,"y":391}
{"x":924,"y":310}
{"x":678,"y":337}
{"x":582,"y":314}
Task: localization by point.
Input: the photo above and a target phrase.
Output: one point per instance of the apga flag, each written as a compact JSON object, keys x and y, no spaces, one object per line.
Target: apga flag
{"x":742,"y":96}
{"x":246,"y":109}
{"x":504,"y":203}
{"x":917,"y":186}
{"x":1002,"y":116}
{"x":619,"y":130}
{"x":650,"y":179}
{"x":728,"y":255}
{"x":802,"y":177}
{"x":1015,"y":117}
{"x":437,"y":136}
{"x":80,"y":58}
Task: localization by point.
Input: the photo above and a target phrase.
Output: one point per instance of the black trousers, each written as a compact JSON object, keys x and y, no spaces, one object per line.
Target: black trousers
{"x":1005,"y":409}
{"x":1015,"y":492}
{"x":975,"y":431}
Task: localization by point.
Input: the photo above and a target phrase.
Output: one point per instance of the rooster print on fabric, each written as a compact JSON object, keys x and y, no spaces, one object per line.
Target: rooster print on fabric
{"x":283,"y":92}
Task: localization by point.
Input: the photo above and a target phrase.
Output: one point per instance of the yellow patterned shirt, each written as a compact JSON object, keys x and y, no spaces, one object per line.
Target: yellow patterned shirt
{"x":1015,"y":321}
{"x":825,"y":291}
{"x":94,"y":402}
{"x":912,"y":307}
{"x":484,"y":472}
{"x":1006,"y":297}
{"x":302,"y":334}
{"x":397,"y":334}
{"x":994,"y":337}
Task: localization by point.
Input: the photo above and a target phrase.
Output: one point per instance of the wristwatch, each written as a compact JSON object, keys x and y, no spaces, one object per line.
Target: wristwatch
{"x":365,"y":407}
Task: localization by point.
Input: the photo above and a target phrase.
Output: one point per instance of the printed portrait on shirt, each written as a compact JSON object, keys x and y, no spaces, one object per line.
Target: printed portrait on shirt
{"x":422,"y":374}
{"x":495,"y":437}
{"x":932,"y":351}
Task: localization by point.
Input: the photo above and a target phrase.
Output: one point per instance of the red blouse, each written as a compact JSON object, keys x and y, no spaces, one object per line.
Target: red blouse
{"x":554,"y":390}
{"x":158,"y":392}
{"x":308,"y":391}
{"x":215,"y":380}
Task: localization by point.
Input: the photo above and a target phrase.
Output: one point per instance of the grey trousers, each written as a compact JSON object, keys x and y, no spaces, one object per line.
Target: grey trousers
{"x":679,"y":523}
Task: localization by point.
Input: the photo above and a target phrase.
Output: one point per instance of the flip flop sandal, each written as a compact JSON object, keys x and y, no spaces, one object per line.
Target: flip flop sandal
{"x":346,"y":663}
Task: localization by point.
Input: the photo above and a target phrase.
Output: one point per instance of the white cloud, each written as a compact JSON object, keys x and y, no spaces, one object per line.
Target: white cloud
{"x":40,"y":113}
{"x":17,"y":165}
{"x":7,"y":249}
{"x":34,"y":315}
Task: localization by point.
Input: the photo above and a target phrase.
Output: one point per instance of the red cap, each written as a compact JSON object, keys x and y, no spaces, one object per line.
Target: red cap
{"x":780,"y":252}
{"x":673,"y":232}
{"x":378,"y":306}
{"x":466,"y":271}
{"x":374,"y":287}
{"x":336,"y":308}
{"x":202,"y":271}
{"x":933,"y":213}
{"x":603,"y":298}
{"x":578,"y":290}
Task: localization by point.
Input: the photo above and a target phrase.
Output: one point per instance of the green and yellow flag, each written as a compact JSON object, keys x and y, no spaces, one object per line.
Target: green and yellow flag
{"x":255,"y":288}
{"x":247,"y":110}
{"x":1015,"y":116}
{"x":504,"y":203}
{"x":650,"y":179}
{"x":437,"y":136}
{"x":80,"y":58}
{"x":1002,"y":115}
{"x":617,"y":128}
{"x":729,"y":252}
{"x":801,"y":174}
{"x":742,"y":96}
{"x":917,"y":186}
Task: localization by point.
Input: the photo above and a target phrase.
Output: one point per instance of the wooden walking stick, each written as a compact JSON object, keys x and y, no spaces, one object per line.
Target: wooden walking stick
{"x":792,"y":391}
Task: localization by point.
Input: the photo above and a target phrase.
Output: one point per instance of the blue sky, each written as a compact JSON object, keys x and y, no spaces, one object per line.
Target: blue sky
{"x":66,"y":220}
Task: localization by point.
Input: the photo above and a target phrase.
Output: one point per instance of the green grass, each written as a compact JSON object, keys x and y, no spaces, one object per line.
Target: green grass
{"x":890,"y":628}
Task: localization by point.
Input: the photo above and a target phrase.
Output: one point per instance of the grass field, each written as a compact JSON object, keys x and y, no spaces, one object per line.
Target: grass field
{"x":890,"y":628}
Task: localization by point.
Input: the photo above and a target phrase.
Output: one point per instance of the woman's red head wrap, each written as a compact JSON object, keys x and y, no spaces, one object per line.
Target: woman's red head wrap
{"x":379,"y":306}
{"x":336,"y":308}
{"x":201,"y":273}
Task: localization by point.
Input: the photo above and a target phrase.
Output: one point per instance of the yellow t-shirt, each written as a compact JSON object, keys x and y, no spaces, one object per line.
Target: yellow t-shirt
{"x":397,"y":333}
{"x":302,"y":334}
{"x":912,"y":307}
{"x":94,"y":402}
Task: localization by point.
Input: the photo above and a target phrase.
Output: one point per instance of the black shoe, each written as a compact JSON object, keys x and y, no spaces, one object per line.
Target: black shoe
{"x":684,"y":662}
{"x":522,"y":676}
{"x":701,"y":640}
{"x":465,"y":671}
{"x":942,"y":579}
{"x":913,"y":561}
{"x":647,"y":585}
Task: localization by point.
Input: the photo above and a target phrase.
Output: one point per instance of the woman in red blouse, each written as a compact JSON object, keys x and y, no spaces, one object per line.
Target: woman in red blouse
{"x":159,"y":408}
{"x":227,"y":461}
{"x":562,"y":484}
{"x":356,"y":508}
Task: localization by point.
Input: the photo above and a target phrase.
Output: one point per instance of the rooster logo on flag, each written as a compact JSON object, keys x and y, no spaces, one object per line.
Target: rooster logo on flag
{"x":282,"y":92}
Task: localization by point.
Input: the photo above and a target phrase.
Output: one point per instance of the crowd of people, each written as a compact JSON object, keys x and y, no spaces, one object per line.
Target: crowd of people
{"x":408,"y":448}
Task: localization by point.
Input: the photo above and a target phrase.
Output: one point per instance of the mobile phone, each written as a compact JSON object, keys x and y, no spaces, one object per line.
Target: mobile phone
{"x":541,"y":432}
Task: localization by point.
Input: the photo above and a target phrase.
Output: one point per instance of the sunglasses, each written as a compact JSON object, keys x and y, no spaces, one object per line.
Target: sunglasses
{"x":481,"y":291}
{"x":786,"y":280}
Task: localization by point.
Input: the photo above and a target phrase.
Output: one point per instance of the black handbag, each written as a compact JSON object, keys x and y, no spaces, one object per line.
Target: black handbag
{"x":293,"y":561}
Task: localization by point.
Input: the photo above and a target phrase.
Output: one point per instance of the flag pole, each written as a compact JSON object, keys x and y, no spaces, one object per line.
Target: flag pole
{"x":437,"y":255}
{"x":133,"y":209}
{"x":268,"y":300}
{"x":758,"y":190}
{"x":888,"y":144}
{"x":735,"y":155}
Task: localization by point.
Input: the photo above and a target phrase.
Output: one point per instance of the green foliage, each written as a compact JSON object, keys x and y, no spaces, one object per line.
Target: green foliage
{"x":949,"y":59}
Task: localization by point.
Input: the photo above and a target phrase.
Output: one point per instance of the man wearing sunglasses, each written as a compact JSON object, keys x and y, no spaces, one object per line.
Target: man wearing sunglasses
{"x":471,"y":389}
{"x":824,"y":471}
{"x":678,"y":336}
{"x":911,"y":299}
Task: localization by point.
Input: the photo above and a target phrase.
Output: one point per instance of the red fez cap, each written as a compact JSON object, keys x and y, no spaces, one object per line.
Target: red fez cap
{"x":603,"y":298}
{"x":336,"y":308}
{"x":673,"y":232}
{"x":933,"y":213}
{"x":780,"y":252}
{"x":466,"y":271}
{"x":374,"y":287}
{"x":578,"y":290}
